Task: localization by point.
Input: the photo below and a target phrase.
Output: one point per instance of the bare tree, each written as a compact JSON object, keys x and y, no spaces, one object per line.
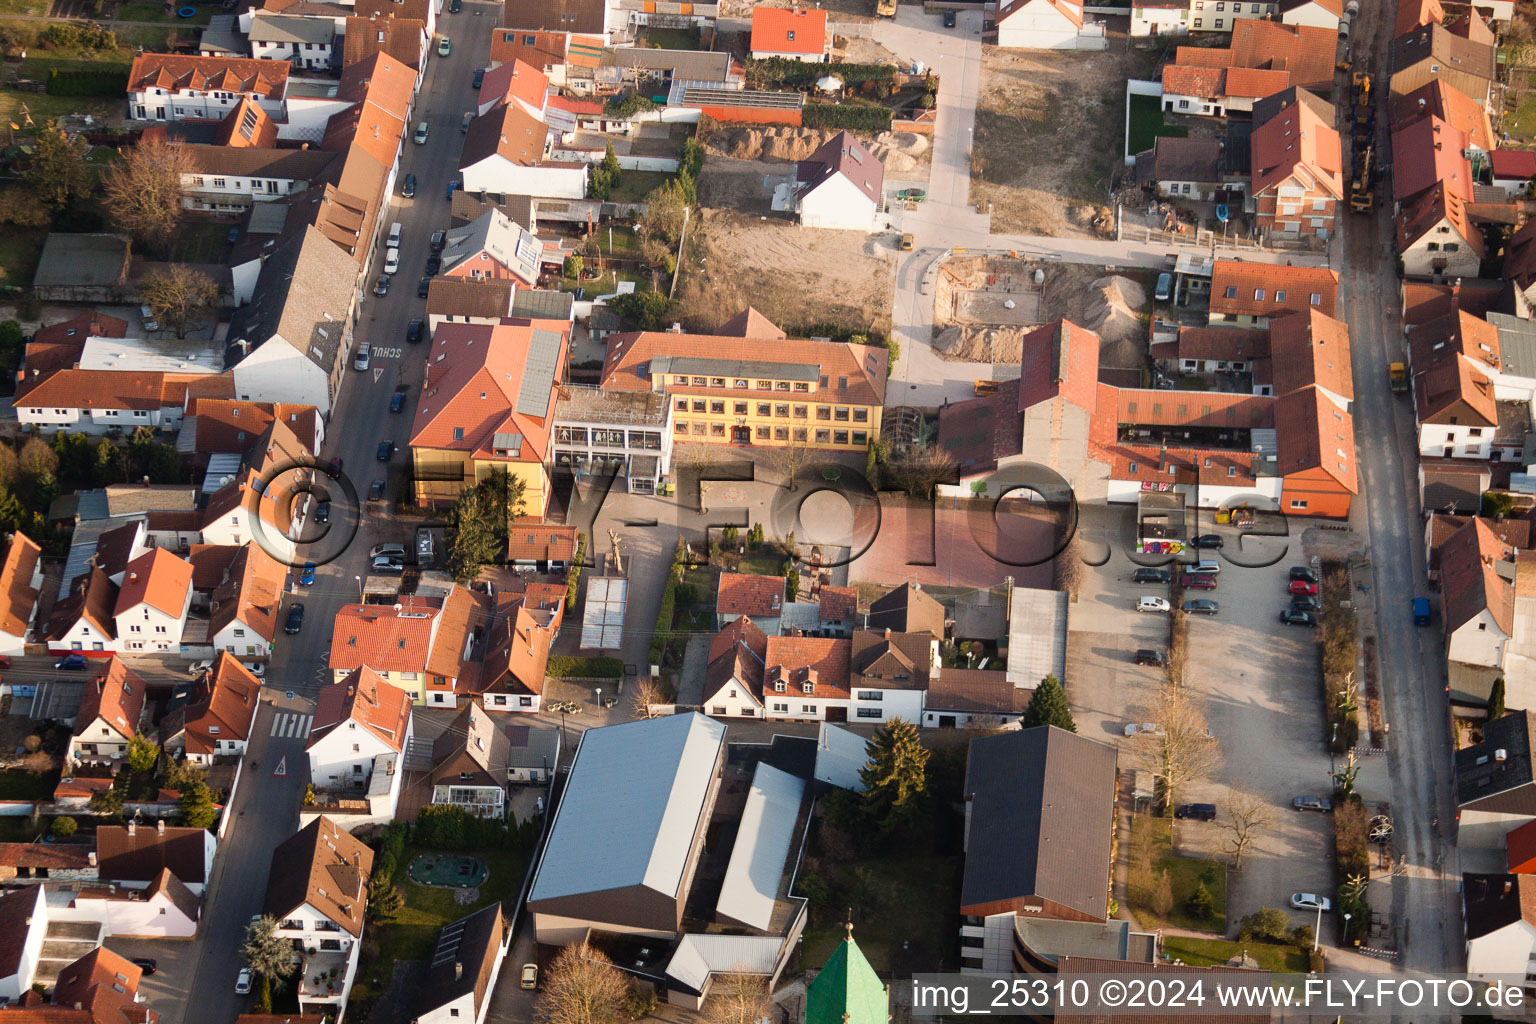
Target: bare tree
{"x":921,"y":468}
{"x":738,"y":998}
{"x":790,"y":456}
{"x":178,"y":294}
{"x":144,"y":191}
{"x":583,"y":987}
{"x":1068,"y":566}
{"x":648,"y":697}
{"x":1248,"y":815}
{"x":1178,"y":748}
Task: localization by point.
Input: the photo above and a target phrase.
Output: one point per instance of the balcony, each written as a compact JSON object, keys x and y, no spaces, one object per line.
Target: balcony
{"x":319,"y":985}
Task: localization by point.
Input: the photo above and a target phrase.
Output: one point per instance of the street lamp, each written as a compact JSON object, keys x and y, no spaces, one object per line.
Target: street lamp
{"x":359,"y":589}
{"x":599,"y":698}
{"x":1318,"y":929}
{"x":1331,"y":745}
{"x":1346,"y":927}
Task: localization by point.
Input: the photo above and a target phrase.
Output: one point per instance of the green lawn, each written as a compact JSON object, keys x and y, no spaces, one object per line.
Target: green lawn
{"x":1147,"y":124}
{"x":150,"y":37}
{"x":20,"y":250}
{"x":156,"y":12}
{"x":21,"y":785}
{"x":1520,"y":123}
{"x":201,"y":242}
{"x":634,"y":186}
{"x":1215,"y":952}
{"x":671,"y":38}
{"x":32,"y":7}
{"x":1151,"y":854}
{"x":413,"y":934}
{"x":43,"y":107}
{"x":764,"y":563}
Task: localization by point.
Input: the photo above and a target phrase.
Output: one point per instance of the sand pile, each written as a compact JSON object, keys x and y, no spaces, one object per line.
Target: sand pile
{"x":900,"y":152}
{"x":1113,"y":312}
{"x":972,"y":344}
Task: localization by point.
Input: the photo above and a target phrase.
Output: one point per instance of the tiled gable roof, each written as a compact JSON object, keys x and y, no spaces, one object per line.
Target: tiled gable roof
{"x":156,"y":578}
{"x":789,"y":30}
{"x":1314,"y":433}
{"x":18,"y":599}
{"x":743,"y":593}
{"x":366,"y":698}
{"x":173,"y":72}
{"x":865,"y":367}
{"x":1255,"y":289}
{"x":115,"y":697}
{"x":324,"y":867}
{"x":1311,"y":348}
{"x":228,"y":708}
{"x":1296,"y":145}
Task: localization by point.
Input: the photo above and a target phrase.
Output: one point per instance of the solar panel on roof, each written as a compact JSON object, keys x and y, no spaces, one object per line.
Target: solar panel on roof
{"x":533,"y":396}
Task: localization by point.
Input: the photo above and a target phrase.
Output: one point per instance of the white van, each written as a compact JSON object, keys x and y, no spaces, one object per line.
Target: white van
{"x":364,"y":350}
{"x":1206,"y":565}
{"x":394,"y":235}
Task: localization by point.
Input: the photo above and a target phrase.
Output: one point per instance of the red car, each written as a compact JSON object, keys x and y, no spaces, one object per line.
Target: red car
{"x":1198,"y":581}
{"x":1303,"y":587}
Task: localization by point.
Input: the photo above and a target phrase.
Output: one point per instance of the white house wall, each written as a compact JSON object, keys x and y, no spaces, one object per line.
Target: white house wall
{"x":1478,"y":641}
{"x":839,"y":204}
{"x":497,"y":174}
{"x":1434,"y":438}
{"x":278,"y":372}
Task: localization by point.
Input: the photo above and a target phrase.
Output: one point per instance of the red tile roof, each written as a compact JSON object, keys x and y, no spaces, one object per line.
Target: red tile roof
{"x":228,"y":709}
{"x":838,"y":604}
{"x":1424,"y":301}
{"x":1428,"y":152}
{"x":1256,"y":83}
{"x":1443,"y":100}
{"x":120,"y":389}
{"x":1513,"y":163}
{"x":1257,"y":289}
{"x":1311,"y":348}
{"x":744,"y":593}
{"x":864,"y":366}
{"x":366,"y":698}
{"x":1451,"y":390}
{"x":233,"y":427}
{"x":789,"y":30}
{"x":1296,"y":146}
{"x":115,"y":697}
{"x":1520,"y":849}
{"x":749,"y":323}
{"x":1314,"y":433}
{"x":1059,"y":359}
{"x":383,"y":638}
{"x":1306,"y":52}
{"x":798,"y":660}
{"x":1470,"y":580}
{"x":1206,"y":83}
{"x":99,"y":968}
{"x":251,"y":593}
{"x":536,"y":540}
{"x":1412,"y":14}
{"x":1431,"y":209}
{"x":1459,"y":333}
{"x":472,"y":392}
{"x":1229,"y":344}
{"x":515,"y":80}
{"x":92,"y":597}
{"x":18,"y":599}
{"x":156,"y":578}
{"x":1152,"y":464}
{"x":1148,"y":407}
{"x":210,"y":563}
{"x":173,"y":72}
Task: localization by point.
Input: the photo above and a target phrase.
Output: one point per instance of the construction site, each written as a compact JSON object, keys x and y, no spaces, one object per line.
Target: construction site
{"x":984,"y":305}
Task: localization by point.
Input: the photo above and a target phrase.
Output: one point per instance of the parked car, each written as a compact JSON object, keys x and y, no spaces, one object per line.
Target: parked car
{"x":1312,"y":803}
{"x":243,"y":982}
{"x":295,"y":618}
{"x":72,"y":663}
{"x":381,"y":286}
{"x":479,"y":77}
{"x":386,"y":450}
{"x":256,"y":668}
{"x":414,"y":331}
{"x":440,"y":238}
{"x":1153,"y":604}
{"x":146,"y":964}
{"x":1202,"y":606}
{"x":408,"y":187}
{"x":423,"y":287}
{"x":5,"y":661}
{"x":307,"y":576}
{"x":1292,"y":617}
{"x":1198,"y":812}
{"x":1151,"y":576}
{"x":1147,"y":656}
{"x":455,"y":6}
{"x":386,"y":566}
{"x":444,"y":46}
{"x":1137,"y":728}
{"x":949,"y":19}
{"x":1301,"y":572}
{"x":1208,"y":540}
{"x":907,"y":241}
{"x":323,"y":513}
{"x":364,"y":354}
{"x":530,"y":976}
{"x":197,"y":668}
{"x":1197,"y":581}
{"x":376,"y":491}
{"x":425,"y":549}
{"x":1164,"y":290}
{"x":1310,"y":901}
{"x":434,"y":264}
{"x":1303,"y":603}
{"x":148,"y":316}
{"x":1303,"y":587}
{"x":422,"y":131}
{"x":392,"y":261}
{"x":397,"y":400}
{"x":469,"y":119}
{"x":1209,"y":565}
{"x":453,"y":186}
{"x":396,"y":551}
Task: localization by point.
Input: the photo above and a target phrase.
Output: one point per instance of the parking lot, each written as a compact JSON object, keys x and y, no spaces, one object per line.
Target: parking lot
{"x":1255,"y":680}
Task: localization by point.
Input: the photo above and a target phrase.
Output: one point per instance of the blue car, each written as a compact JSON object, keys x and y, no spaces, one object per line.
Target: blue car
{"x":307,"y":577}
{"x":479,"y":77}
{"x":453,"y":186}
{"x":72,"y":663}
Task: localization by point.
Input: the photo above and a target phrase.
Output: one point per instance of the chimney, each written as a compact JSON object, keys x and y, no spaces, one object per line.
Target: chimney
{"x":91,"y":858}
{"x":160,"y":826}
{"x":1422,"y":104}
{"x":887,"y":632}
{"x":458,"y":965}
{"x":133,"y":827}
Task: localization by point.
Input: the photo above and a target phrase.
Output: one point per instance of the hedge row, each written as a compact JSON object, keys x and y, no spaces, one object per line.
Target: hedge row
{"x":662,"y":636}
{"x":87,"y":83}
{"x":573,"y":575}
{"x":566,"y":666}
{"x":1352,"y":858}
{"x":1339,"y":643}
{"x":781,"y":72}
{"x":837,"y":116}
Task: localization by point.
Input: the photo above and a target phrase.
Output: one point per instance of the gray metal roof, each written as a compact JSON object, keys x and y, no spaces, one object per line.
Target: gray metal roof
{"x":1040,"y":823}
{"x":1037,"y":636}
{"x":539,"y":373}
{"x":734,"y":368}
{"x":763,"y":835}
{"x":840,"y":753}
{"x":1517,"y":345}
{"x":542,"y":304}
{"x":635,"y":800}
{"x":692,"y":65}
{"x":276,"y":28}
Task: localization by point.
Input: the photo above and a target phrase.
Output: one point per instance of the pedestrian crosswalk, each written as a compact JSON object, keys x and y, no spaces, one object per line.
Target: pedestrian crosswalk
{"x":292,"y":725}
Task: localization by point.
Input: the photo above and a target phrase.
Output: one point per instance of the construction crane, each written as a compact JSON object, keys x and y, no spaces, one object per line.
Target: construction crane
{"x":1361,"y":196}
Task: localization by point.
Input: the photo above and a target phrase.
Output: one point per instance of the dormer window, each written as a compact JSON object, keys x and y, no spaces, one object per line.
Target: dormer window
{"x":779,"y":686}
{"x":808,"y":688}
